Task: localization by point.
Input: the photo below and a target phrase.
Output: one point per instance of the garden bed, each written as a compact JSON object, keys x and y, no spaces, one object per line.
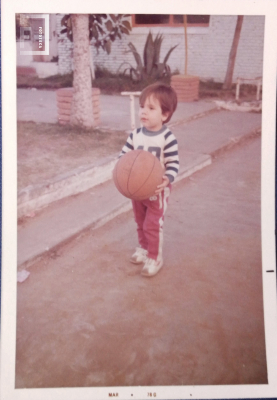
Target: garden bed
{"x":110,"y":83}
{"x":47,"y":150}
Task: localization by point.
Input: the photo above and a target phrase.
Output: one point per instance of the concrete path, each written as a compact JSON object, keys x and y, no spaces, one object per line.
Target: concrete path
{"x":87,"y":318}
{"x":40,"y":106}
{"x":37,"y":105}
{"x":199,"y":140}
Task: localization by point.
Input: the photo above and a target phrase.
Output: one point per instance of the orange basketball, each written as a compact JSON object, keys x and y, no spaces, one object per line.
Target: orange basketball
{"x":137,"y":174}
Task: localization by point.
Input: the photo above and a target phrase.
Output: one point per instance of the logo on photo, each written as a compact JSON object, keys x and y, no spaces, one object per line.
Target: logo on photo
{"x":33,"y":33}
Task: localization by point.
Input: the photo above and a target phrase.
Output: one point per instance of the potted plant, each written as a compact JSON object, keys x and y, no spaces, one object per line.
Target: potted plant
{"x":186,"y":86}
{"x":150,"y":66}
{"x":74,"y":104}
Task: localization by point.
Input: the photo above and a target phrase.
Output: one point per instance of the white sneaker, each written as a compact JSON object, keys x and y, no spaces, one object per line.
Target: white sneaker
{"x":151,"y":267}
{"x":139,"y":256}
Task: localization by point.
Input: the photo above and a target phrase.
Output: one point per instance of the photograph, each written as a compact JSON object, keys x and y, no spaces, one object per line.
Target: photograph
{"x":138,"y":207}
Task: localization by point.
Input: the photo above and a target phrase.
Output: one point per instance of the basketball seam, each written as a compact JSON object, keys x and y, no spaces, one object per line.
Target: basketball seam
{"x":145,"y":180}
{"x":130,"y":174}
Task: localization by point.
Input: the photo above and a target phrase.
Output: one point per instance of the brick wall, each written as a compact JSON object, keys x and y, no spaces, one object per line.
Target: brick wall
{"x":64,"y":49}
{"x":208,"y":49}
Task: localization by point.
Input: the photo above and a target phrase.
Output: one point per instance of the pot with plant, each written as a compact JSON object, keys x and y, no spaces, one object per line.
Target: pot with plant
{"x":80,"y":105}
{"x":150,"y":68}
{"x":186,"y":86}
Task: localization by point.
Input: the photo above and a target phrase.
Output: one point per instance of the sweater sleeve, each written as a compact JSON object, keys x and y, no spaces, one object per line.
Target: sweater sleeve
{"x":128,"y":146}
{"x":171,"y":156}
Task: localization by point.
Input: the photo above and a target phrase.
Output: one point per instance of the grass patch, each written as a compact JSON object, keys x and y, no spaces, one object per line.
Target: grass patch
{"x":50,"y":82}
{"x":116,"y":85}
{"x":110,"y":83}
{"x":37,"y":129}
{"x":107,"y":82}
{"x":211,"y":89}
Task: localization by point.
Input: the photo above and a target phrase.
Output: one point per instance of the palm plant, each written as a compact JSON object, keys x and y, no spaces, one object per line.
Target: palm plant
{"x":150,"y":67}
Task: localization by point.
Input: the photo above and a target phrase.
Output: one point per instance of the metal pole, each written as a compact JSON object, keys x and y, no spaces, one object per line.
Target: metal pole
{"x":186,"y":45}
{"x":132,"y":106}
{"x":237,"y":89}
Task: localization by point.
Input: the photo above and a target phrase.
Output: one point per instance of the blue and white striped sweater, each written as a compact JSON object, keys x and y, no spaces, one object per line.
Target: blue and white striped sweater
{"x":162,"y":144}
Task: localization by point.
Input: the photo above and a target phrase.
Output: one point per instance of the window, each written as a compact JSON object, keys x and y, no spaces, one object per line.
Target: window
{"x":169,"y":20}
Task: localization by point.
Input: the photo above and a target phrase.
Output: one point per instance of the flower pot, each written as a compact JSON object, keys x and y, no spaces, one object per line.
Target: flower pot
{"x":64,"y":101}
{"x":186,"y":87}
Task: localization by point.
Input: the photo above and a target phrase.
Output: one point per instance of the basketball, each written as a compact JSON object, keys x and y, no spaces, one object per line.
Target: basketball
{"x":137,"y":174}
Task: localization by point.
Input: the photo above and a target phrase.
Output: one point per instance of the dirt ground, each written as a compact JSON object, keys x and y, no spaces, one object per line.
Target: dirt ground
{"x":87,"y":318}
{"x":47,"y":150}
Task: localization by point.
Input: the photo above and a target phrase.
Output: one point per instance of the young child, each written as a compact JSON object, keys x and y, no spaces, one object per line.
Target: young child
{"x":157,"y":104}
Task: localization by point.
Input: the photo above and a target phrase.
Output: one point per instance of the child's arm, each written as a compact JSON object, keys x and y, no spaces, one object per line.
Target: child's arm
{"x":171,"y":161}
{"x":128,"y":146}
{"x":164,"y":184}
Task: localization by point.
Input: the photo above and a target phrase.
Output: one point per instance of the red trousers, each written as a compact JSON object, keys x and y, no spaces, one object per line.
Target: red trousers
{"x":149,"y":216}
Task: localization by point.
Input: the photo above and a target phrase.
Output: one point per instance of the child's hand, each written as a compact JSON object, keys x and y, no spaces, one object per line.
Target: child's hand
{"x":162,"y":185}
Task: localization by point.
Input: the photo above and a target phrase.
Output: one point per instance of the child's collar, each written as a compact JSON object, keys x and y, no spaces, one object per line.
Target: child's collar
{"x":153,"y":133}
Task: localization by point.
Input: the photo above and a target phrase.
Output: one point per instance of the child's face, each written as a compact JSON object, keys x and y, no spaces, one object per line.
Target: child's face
{"x":151,"y":115}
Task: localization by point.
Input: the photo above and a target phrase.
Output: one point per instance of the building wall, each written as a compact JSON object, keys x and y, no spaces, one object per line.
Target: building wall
{"x":64,"y":49}
{"x":208,"y":49}
{"x":209,"y":54}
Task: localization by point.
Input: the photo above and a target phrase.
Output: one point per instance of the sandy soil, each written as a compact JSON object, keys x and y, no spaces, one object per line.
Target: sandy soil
{"x":47,"y":150}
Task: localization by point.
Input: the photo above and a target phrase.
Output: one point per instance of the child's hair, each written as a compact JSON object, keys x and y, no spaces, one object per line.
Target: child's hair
{"x":164,"y":94}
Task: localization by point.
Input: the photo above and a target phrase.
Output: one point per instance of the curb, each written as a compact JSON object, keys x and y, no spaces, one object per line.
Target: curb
{"x":194,"y":167}
{"x":34,"y":197}
{"x":235,"y":141}
{"x":194,"y":117}
{"x":124,"y":206}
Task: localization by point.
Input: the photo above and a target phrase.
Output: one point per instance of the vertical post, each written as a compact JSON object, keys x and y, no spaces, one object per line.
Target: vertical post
{"x":186,"y":44}
{"x":132,"y":106}
{"x":237,"y":89}
{"x":91,"y":63}
{"x":258,"y":89}
{"x":232,"y":56}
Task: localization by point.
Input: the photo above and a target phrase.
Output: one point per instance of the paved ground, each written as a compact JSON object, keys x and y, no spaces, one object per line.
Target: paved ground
{"x":41,"y":106}
{"x":199,"y":140}
{"x":201,"y":129}
{"x":86,"y":317}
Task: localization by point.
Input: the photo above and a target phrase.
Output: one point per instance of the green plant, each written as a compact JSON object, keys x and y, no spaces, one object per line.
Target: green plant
{"x":151,"y":67}
{"x":103,"y":28}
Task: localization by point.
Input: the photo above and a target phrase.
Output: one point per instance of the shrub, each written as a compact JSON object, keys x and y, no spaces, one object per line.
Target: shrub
{"x":151,"y":67}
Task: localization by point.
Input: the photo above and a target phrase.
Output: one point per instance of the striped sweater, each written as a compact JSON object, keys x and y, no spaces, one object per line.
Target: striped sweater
{"x":162,"y":144}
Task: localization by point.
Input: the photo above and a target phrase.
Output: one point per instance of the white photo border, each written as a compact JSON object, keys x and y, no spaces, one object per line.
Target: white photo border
{"x":268,"y":8}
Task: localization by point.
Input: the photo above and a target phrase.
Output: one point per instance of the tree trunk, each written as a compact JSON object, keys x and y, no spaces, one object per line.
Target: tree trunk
{"x":81,"y":114}
{"x":232,"y":57}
